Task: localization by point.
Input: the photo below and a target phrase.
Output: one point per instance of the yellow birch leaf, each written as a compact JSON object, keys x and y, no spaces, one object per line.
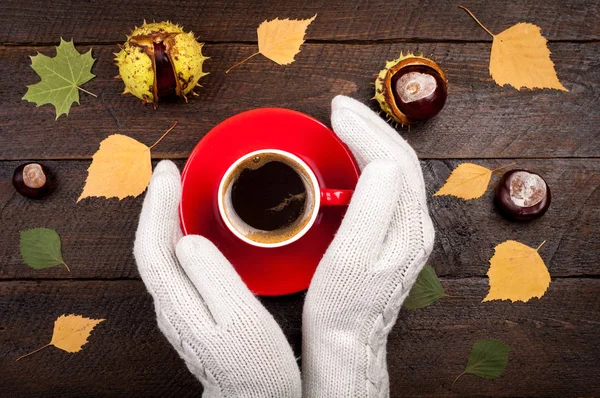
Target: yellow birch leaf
{"x":280,"y":39}
{"x":521,"y":58}
{"x":517,"y":273}
{"x":121,"y":167}
{"x":70,"y":333}
{"x":468,"y":181}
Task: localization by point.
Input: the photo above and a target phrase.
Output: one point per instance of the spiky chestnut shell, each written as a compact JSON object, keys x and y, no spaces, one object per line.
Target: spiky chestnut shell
{"x":151,"y":53}
{"x":424,"y":84}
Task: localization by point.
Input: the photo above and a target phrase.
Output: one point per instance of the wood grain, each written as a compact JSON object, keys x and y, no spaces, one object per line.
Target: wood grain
{"x":554,"y":345}
{"x":480,"y":118}
{"x":98,"y":234}
{"x":555,"y":341}
{"x":44,"y":21}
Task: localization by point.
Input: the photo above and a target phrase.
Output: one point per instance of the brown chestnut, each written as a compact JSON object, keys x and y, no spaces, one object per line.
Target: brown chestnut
{"x":411,"y":88}
{"x":522,"y":195}
{"x":32,"y":180}
{"x":165,"y":77}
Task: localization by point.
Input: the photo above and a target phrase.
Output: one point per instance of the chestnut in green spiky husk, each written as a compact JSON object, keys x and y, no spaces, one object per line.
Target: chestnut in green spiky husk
{"x":159,"y":60}
{"x":411,"y":88}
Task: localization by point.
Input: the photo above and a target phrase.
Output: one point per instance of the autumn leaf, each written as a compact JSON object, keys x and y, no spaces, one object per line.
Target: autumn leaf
{"x":61,"y":77}
{"x":40,"y":248}
{"x":280,"y":40}
{"x":468,"y":181}
{"x":121,"y":167}
{"x":517,"y":273}
{"x":426,"y":290}
{"x":521,"y":58}
{"x":488,"y":359}
{"x":70,"y":333}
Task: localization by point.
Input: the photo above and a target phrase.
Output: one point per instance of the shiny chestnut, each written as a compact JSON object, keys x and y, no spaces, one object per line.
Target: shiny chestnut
{"x":411,"y":89}
{"x":522,"y":195}
{"x":32,"y":180}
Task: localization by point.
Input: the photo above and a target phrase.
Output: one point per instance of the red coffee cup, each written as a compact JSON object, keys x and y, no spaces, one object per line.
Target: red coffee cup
{"x":314,"y":197}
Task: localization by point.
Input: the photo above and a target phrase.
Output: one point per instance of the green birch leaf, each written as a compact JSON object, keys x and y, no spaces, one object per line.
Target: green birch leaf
{"x":40,"y":248}
{"x":426,"y":290}
{"x":61,"y":77}
{"x":488,"y":359}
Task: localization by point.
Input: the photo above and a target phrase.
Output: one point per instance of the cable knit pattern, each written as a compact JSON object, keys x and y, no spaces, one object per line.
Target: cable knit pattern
{"x":370,"y":267}
{"x":226,"y":337}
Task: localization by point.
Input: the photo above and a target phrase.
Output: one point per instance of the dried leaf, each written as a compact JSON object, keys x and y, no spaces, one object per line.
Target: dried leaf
{"x":488,"y":359}
{"x":517,"y":273}
{"x":70,"y":333}
{"x":468,"y":181}
{"x":61,"y":77}
{"x":521,"y":58}
{"x":426,"y":290}
{"x":40,"y":248}
{"x":121,"y":167}
{"x":280,"y":39}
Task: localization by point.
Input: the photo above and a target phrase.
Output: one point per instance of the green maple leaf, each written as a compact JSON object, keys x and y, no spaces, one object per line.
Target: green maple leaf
{"x":40,"y":248}
{"x":61,"y":77}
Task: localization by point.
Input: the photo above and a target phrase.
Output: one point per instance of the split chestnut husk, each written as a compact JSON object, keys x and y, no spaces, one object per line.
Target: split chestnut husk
{"x":411,"y":88}
{"x":160,"y":60}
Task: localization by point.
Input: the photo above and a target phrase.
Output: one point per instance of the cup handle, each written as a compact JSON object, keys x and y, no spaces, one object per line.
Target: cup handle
{"x":335,"y":197}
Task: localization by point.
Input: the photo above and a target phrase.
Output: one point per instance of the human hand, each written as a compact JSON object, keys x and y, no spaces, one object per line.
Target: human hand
{"x":368,"y":270}
{"x":228,"y":340}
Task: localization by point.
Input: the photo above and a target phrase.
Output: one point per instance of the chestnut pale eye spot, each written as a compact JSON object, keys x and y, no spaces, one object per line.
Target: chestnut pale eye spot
{"x":414,"y":86}
{"x":33,"y":176}
{"x":527,"y":189}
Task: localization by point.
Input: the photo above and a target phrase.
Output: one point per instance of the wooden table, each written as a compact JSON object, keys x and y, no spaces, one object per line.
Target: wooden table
{"x":555,"y":341}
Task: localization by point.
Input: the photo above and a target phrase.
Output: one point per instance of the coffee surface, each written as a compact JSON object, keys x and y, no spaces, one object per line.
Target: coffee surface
{"x":270,"y":197}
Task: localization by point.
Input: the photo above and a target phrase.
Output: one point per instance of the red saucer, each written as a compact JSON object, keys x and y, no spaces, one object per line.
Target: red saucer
{"x":266,"y":271}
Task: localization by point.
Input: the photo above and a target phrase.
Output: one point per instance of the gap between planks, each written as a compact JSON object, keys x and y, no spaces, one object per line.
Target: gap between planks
{"x":415,"y":40}
{"x":424,"y":158}
{"x":443,"y":278}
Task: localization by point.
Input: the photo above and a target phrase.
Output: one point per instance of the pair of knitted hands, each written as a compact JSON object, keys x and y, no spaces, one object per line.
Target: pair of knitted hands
{"x":228,"y":339}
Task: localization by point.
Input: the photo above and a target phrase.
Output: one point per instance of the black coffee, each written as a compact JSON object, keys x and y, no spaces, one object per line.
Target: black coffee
{"x":270,"y":197}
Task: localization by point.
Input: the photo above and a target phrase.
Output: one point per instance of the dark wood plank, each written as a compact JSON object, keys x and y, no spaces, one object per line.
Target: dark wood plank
{"x":98,"y":234}
{"x":108,"y":21}
{"x":480,"y":119}
{"x":554,"y":342}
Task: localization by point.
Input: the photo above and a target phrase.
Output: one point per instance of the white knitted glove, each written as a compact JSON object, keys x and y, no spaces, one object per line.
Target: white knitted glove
{"x":228,"y":340}
{"x":371,"y":265}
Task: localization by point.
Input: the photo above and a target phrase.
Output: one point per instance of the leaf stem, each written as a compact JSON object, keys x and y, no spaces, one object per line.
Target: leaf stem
{"x":163,"y":136}
{"x":60,"y":261}
{"x":242,"y":61}
{"x":85,"y":91}
{"x":503,"y":167}
{"x":477,"y":20}
{"x":541,"y":244}
{"x":33,"y":352}
{"x":455,"y":380}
